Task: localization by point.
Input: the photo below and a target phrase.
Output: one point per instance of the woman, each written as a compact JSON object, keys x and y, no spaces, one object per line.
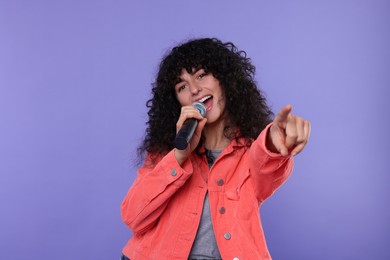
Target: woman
{"x":202,"y":202}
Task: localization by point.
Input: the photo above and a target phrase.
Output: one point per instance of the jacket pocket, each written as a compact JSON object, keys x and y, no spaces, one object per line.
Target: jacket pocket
{"x":243,"y":202}
{"x":234,"y":192}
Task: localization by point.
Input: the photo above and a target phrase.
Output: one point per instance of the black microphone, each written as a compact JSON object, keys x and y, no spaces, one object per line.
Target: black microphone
{"x":187,"y":130}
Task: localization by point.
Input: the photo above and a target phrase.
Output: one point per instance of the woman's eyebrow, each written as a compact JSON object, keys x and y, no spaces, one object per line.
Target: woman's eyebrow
{"x":177,"y":81}
{"x":195,"y":70}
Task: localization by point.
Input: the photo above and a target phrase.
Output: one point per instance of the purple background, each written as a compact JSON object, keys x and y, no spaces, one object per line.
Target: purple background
{"x":74,"y":78}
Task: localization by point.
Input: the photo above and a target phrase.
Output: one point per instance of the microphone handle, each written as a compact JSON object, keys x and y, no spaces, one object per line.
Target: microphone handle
{"x":185,"y":133}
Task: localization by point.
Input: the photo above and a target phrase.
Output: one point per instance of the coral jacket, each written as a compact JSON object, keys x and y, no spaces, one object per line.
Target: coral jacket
{"x":164,"y":205}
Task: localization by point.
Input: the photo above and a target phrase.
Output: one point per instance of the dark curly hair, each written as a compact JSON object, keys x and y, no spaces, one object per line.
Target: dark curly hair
{"x":245,"y":105}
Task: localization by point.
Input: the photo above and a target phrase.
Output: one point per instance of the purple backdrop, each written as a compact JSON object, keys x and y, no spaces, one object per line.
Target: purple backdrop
{"x":74,"y":78}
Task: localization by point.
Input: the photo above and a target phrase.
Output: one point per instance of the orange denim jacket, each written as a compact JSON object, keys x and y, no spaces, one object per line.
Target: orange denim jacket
{"x":164,"y":205}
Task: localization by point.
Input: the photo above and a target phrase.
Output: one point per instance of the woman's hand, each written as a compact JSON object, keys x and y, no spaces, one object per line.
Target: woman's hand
{"x":186,"y":113}
{"x":288,"y":134}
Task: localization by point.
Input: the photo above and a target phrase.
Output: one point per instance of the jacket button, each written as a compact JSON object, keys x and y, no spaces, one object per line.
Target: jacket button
{"x":222,"y":210}
{"x":227,"y":236}
{"x":236,"y":258}
{"x":220,"y":182}
{"x":173,"y":172}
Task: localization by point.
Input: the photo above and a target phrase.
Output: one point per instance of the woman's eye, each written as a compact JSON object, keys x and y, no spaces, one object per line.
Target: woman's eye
{"x":202,"y":75}
{"x":181,"y":88}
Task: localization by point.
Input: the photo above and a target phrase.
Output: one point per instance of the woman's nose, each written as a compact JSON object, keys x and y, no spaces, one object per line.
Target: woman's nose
{"x":195,"y":89}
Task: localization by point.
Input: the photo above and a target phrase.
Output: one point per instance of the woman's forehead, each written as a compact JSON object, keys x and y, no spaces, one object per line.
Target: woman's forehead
{"x":185,"y":71}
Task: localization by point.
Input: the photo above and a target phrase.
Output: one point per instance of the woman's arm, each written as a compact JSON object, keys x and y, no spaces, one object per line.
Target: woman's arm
{"x":151,"y":191}
{"x":271,"y":154}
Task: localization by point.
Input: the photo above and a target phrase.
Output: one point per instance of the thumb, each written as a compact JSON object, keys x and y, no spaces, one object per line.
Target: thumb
{"x":283,"y":150}
{"x":201,"y":124}
{"x":198,"y":131}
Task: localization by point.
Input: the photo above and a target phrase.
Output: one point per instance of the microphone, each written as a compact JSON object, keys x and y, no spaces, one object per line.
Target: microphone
{"x":187,"y":130}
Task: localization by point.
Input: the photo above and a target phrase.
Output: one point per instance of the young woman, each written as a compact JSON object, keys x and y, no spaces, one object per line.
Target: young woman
{"x":203,"y":202}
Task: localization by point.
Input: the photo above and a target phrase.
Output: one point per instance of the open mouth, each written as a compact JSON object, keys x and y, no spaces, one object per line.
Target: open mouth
{"x":204,"y":99}
{"x":207,"y":101}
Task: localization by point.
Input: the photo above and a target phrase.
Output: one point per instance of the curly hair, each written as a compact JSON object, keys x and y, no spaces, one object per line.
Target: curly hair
{"x":245,"y":104}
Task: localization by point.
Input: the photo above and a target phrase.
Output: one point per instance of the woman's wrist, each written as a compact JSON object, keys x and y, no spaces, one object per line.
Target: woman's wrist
{"x":269,"y":144}
{"x":180,"y":156}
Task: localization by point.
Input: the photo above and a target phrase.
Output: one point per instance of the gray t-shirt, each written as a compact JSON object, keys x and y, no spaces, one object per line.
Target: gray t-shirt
{"x":205,"y":246}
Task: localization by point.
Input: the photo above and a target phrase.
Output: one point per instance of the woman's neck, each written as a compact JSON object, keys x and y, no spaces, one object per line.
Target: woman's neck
{"x":215,"y":138}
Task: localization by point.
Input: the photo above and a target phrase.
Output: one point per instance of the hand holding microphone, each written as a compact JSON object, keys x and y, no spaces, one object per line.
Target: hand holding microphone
{"x":186,"y":132}
{"x":190,"y":125}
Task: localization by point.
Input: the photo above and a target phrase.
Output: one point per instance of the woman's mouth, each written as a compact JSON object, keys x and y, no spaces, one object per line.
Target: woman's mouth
{"x":207,"y":101}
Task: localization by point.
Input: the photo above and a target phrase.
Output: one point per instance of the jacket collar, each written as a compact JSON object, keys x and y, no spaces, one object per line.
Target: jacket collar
{"x":235,"y":144}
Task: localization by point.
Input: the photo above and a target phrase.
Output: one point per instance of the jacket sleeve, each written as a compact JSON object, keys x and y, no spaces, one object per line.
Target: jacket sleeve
{"x":152,"y":189}
{"x":268,"y":170}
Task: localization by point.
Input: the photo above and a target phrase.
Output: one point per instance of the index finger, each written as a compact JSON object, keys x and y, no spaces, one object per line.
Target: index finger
{"x":191,"y":111}
{"x":281,"y":117}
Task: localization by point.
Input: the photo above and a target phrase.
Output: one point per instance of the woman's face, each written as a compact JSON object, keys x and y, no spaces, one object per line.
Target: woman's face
{"x":202,"y":87}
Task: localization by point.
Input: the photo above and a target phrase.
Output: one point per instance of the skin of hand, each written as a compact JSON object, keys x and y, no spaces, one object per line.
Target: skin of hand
{"x":186,"y":113}
{"x":288,"y":134}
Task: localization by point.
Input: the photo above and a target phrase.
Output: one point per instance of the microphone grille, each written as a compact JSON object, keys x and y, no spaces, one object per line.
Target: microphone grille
{"x":201,"y":107}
